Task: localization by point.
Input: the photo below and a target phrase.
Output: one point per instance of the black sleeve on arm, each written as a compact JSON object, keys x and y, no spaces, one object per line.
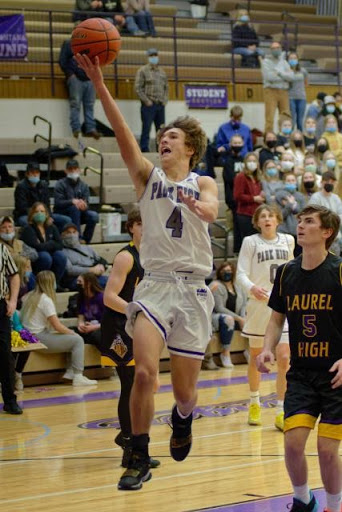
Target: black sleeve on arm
{"x":277,"y":300}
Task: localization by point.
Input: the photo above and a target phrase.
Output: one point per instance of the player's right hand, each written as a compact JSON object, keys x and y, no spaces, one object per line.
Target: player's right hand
{"x":259,"y":293}
{"x":92,"y":70}
{"x":266,"y":356}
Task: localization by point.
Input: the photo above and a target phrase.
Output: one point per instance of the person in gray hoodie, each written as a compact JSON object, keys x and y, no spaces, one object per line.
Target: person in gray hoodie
{"x":277,"y":75}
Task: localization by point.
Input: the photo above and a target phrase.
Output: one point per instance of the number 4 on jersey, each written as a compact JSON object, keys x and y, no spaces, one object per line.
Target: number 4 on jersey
{"x":175,"y":223}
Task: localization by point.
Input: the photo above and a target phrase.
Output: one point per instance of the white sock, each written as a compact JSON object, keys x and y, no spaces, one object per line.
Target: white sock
{"x":334,"y":502}
{"x":280,"y":406}
{"x":255,"y":397}
{"x":302,"y":493}
{"x":182,"y":415}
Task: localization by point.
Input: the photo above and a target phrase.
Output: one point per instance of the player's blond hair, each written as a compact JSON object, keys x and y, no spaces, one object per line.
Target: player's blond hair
{"x":271,"y":209}
{"x":195,"y":136}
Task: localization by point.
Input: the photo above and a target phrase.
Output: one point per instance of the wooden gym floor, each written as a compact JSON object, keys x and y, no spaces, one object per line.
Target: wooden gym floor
{"x":59,"y":455}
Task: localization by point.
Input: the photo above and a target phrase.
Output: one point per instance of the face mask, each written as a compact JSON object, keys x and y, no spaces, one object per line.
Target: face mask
{"x":293,"y":62}
{"x":276,"y":53}
{"x":153,"y":60}
{"x":7,"y":237}
{"x":298,"y":143}
{"x":331,"y":162}
{"x":244,"y":18}
{"x":227,"y":276}
{"x":271,"y":143}
{"x":71,"y":239}
{"x":310,"y":130}
{"x":28,"y":274}
{"x":309,"y":184}
{"x":290,"y":187}
{"x":328,"y":187}
{"x":330,"y":109}
{"x":236,"y":125}
{"x":287,"y":165}
{"x":271,"y":172}
{"x":39,"y":217}
{"x":251,"y":166}
{"x":74,"y":175}
{"x":311,"y":168}
{"x":34,"y":179}
{"x":322,"y":148}
{"x":237,"y":149}
{"x":331,"y":129}
{"x":286,"y":131}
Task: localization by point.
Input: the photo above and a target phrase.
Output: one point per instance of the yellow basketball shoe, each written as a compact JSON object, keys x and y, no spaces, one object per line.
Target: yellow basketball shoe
{"x":254,"y":414}
{"x":279,"y":421}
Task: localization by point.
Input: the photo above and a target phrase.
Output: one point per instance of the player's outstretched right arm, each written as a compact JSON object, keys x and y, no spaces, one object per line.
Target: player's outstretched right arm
{"x":139,"y":167}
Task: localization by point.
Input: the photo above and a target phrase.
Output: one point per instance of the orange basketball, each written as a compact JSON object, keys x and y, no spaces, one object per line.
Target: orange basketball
{"x":96,"y":37}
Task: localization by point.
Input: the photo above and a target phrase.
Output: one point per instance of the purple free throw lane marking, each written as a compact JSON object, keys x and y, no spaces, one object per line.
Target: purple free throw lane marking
{"x":277,"y":504}
{"x":109,"y":395}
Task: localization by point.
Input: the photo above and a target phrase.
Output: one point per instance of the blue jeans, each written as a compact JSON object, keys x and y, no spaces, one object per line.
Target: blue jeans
{"x":87,"y":217}
{"x":144,"y":21}
{"x":131,"y":25}
{"x":59,"y":219}
{"x":246,"y":52}
{"x":297,"y":108}
{"x":154,"y":114}
{"x":81,"y":93}
{"x":55,"y":261}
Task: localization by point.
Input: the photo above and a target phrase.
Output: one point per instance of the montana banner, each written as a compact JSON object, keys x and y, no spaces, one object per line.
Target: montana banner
{"x":206,"y":96}
{"x":13,"y":41}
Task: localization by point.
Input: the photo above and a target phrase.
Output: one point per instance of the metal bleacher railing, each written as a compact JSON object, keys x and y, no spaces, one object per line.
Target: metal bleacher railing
{"x":190,"y":49}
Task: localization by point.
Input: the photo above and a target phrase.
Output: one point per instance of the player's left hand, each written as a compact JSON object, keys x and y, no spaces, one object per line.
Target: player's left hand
{"x":336,"y":382}
{"x":192,"y":203}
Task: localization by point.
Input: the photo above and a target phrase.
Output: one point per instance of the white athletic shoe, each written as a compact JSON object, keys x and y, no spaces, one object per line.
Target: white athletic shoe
{"x":226,"y":361}
{"x":69,"y":374}
{"x":81,"y":380}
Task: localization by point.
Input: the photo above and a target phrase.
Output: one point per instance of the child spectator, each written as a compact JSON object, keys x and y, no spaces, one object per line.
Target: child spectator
{"x":90,"y":309}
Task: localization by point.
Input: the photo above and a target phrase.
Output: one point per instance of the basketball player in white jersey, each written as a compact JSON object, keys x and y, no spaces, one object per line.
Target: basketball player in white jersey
{"x":259,"y":257}
{"x":172,"y":304}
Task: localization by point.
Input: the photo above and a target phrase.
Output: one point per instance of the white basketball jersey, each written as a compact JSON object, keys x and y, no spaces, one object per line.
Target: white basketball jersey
{"x":259,"y":259}
{"x":173,"y":237}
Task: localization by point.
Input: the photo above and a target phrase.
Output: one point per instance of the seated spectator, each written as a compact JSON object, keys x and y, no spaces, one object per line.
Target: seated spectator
{"x":330,"y":163}
{"x":330,"y":109}
{"x":309,"y":133}
{"x":31,"y":190}
{"x":308,"y":185}
{"x":321,"y":146}
{"x":72,"y":198}
{"x":248,"y":194}
{"x":270,"y":181}
{"x":245,"y":41}
{"x":232,"y":166}
{"x":311,"y":165}
{"x":90,"y":309}
{"x":8,"y":237}
{"x":287,"y":164}
{"x":297,"y":148}
{"x":45,"y":238}
{"x":297,"y":93}
{"x":234,"y":127}
{"x":283,"y":137}
{"x":333,"y":137}
{"x":315,"y":110}
{"x":326,"y":197}
{"x":81,"y":259}
{"x":290,"y":203}
{"x":140,"y":9}
{"x":229,"y":309}
{"x":39,"y":316}
{"x":269,"y":151}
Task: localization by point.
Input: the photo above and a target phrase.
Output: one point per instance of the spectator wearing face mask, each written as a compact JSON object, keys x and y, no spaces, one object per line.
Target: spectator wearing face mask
{"x":326,"y":197}
{"x":308,"y":185}
{"x":297,"y":93}
{"x":309,"y":133}
{"x":245,"y":41}
{"x":271,"y":181}
{"x":81,"y":259}
{"x":311,"y":165}
{"x":330,"y":108}
{"x":277,"y":76}
{"x":232,"y":167}
{"x":297,"y":148}
{"x":283,"y":137}
{"x":234,"y":127}
{"x":248,"y":194}
{"x":72,"y":198}
{"x":321,"y":146}
{"x":329,"y":163}
{"x":270,"y":150}
{"x":16,"y":247}
{"x":315,"y":111}
{"x":290,"y":203}
{"x":333,"y":137}
{"x":287,"y":164}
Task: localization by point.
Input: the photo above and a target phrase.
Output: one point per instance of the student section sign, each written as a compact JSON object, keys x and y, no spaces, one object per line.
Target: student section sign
{"x":13,"y":41}
{"x":206,"y":96}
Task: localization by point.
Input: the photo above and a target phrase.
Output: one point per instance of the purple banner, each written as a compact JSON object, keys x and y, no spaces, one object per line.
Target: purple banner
{"x":13,"y":41}
{"x":206,"y":96}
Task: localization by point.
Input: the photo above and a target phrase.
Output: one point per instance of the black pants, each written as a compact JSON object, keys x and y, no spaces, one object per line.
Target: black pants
{"x":6,"y":358}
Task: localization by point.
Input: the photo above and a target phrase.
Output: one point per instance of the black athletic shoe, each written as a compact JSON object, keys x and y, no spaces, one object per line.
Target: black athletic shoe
{"x":12,"y":408}
{"x":181,"y":438}
{"x":138,"y":471}
{"x":299,"y":506}
{"x":125,"y":443}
